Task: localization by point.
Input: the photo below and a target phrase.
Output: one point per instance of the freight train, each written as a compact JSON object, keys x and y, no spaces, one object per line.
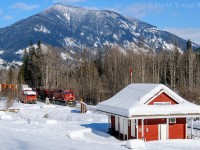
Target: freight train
{"x":60,"y":97}
{"x":27,"y":95}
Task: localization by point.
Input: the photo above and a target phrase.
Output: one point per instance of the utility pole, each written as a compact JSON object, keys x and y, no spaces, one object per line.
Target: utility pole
{"x":131,"y":74}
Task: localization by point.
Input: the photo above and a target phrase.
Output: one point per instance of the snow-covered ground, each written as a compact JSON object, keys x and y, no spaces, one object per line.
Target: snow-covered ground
{"x":50,"y":127}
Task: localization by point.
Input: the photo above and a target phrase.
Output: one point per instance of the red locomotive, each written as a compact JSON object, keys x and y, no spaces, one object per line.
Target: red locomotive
{"x":28,"y":96}
{"x":62,"y":97}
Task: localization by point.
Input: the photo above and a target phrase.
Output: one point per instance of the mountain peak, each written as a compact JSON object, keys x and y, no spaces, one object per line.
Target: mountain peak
{"x":59,"y":6}
{"x":73,"y":27}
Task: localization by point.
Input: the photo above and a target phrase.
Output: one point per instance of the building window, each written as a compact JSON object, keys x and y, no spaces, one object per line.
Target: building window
{"x":172,"y":120}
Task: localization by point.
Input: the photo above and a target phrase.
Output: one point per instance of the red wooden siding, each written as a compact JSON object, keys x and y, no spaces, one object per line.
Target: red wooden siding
{"x":163,"y":97}
{"x":152,"y":126}
{"x":112,"y":122}
{"x":129,"y":130}
{"x":177,"y":130}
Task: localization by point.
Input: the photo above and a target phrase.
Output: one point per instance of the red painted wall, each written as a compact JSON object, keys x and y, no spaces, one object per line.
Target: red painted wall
{"x":163,"y":97}
{"x":129,"y":130}
{"x":112,"y":121}
{"x":178,"y":130}
{"x":152,"y":125}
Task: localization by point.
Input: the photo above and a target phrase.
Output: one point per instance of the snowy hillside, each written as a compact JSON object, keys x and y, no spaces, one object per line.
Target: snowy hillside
{"x":51,"y":127}
{"x":75,"y":28}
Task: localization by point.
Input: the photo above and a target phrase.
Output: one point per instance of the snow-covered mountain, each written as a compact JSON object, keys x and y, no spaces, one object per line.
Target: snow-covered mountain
{"x":75,"y":28}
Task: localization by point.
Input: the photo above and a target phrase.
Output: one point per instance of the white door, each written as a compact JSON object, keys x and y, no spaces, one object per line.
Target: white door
{"x":121,"y":125}
{"x":162,"y":131}
{"x":116,"y":124}
{"x":125,"y":126}
{"x":133,"y":128}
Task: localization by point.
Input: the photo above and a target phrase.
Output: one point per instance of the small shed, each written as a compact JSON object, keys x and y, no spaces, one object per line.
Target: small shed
{"x":148,"y":112}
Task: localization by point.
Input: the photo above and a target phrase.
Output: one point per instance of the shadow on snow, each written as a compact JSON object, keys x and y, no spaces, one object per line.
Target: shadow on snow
{"x":100,"y":129}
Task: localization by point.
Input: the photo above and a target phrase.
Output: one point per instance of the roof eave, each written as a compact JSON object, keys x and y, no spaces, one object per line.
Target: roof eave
{"x":154,"y":116}
{"x":189,"y":115}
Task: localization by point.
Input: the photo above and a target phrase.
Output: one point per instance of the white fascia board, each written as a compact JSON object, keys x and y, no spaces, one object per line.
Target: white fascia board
{"x":162,"y":116}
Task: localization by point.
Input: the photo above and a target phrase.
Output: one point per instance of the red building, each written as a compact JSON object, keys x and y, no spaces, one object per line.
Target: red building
{"x":148,"y":112}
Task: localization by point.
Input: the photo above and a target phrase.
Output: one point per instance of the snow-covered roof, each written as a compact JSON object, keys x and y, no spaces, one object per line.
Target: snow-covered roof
{"x":29,"y":93}
{"x":132,"y":101}
{"x":27,"y":89}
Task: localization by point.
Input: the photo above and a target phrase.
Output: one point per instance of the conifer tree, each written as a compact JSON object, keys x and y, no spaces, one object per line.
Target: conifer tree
{"x":23,"y":75}
{"x":39,"y":57}
{"x":25,"y":66}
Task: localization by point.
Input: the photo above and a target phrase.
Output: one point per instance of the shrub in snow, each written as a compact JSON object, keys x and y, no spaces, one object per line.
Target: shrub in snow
{"x":135,"y":143}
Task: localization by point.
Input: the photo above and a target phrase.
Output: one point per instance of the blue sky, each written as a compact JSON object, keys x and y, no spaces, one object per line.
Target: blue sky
{"x":177,"y":16}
